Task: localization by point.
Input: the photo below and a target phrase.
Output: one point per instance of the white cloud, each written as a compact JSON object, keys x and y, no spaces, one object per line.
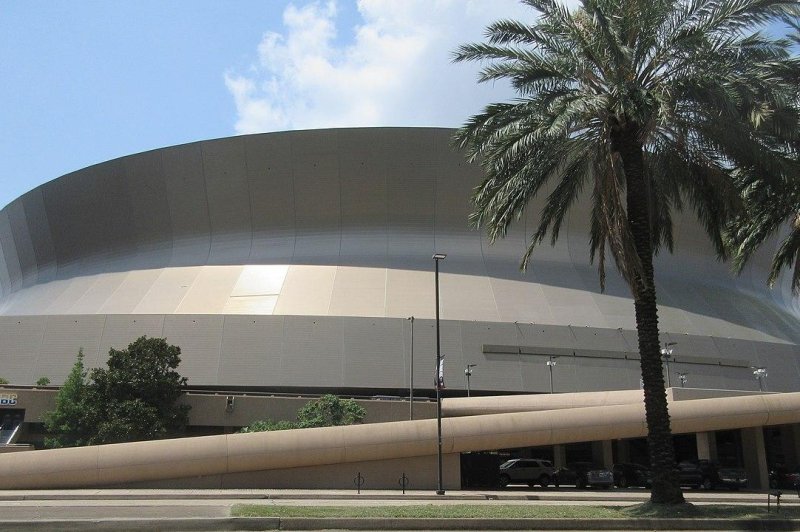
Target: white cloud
{"x":394,"y":68}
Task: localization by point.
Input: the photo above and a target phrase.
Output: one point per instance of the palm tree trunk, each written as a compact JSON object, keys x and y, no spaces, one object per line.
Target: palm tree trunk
{"x":666,"y":486}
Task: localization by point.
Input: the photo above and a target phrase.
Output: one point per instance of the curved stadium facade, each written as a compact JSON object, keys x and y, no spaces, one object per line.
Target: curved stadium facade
{"x":293,"y":262}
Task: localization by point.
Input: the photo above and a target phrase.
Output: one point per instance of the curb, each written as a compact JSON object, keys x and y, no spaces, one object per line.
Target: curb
{"x":303,"y":523}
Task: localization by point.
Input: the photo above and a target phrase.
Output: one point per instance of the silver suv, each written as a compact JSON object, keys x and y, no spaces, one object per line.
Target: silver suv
{"x":530,"y":471}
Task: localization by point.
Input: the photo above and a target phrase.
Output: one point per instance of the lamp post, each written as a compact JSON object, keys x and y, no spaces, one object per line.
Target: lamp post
{"x":468,"y":374}
{"x":682,"y":377}
{"x":438,"y":381}
{"x":760,"y":373}
{"x":551,"y":362}
{"x":411,"y":374}
{"x":666,"y":352}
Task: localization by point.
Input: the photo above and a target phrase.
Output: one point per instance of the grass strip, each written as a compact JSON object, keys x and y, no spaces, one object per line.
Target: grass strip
{"x":511,"y":511}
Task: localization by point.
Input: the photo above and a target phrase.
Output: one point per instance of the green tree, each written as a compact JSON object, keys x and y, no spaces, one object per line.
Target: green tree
{"x":327,"y":411}
{"x":66,"y":424}
{"x":648,"y":106}
{"x":136,"y":397}
{"x":773,"y":204}
{"x":268,"y":425}
{"x":3,"y":381}
{"x":43,"y":381}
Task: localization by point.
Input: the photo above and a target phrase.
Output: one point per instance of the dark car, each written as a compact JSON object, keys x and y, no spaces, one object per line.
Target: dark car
{"x":583,"y":474}
{"x":689,"y":474}
{"x":785,"y":478}
{"x":718,"y":476}
{"x":626,"y":474}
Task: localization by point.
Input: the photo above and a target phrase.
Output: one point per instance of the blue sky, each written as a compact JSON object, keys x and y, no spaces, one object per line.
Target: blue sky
{"x":91,"y":80}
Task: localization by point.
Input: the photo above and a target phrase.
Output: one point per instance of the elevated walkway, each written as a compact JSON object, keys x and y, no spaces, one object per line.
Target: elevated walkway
{"x":332,"y":455}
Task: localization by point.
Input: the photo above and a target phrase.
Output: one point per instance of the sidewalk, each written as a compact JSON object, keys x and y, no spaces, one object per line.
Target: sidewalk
{"x":148,"y":509}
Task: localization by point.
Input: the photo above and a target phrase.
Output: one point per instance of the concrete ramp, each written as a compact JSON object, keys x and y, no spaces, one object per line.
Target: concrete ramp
{"x":105,"y":465}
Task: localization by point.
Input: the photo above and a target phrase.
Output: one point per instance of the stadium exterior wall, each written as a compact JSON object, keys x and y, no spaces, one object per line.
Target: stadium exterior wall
{"x":293,"y":260}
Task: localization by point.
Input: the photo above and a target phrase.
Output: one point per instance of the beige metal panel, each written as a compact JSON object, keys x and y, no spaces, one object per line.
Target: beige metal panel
{"x":63,"y":337}
{"x":75,"y":288}
{"x":466,"y":297}
{"x":495,"y":371}
{"x":373,"y":353}
{"x":410,"y":293}
{"x":228,"y":200}
{"x":22,"y":242}
{"x":595,"y":338}
{"x":520,"y":301}
{"x":120,"y":331}
{"x":33,"y":300}
{"x":250,"y":305}
{"x":597,"y":374}
{"x":573,"y":306}
{"x":307,"y":290}
{"x":22,"y":338}
{"x":200,"y":339}
{"x":10,"y":253}
{"x":251,"y":351}
{"x":39,"y":231}
{"x":783,"y":365}
{"x":547,"y":337}
{"x":271,"y":185}
{"x":260,"y":280}
{"x":256,"y":290}
{"x":103,"y":288}
{"x":167,"y":291}
{"x":150,"y":220}
{"x":130,"y":292}
{"x":188,"y":204}
{"x":362,"y":169}
{"x":359,"y":292}
{"x":312,"y":351}
{"x":210,"y":290}
{"x":317,"y":199}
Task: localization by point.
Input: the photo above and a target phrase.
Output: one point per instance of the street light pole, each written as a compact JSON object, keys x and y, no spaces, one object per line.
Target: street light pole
{"x":411,"y":374}
{"x":551,"y":362}
{"x":666,"y":352}
{"x":438,"y":381}
{"x":760,"y":374}
{"x":468,"y":373}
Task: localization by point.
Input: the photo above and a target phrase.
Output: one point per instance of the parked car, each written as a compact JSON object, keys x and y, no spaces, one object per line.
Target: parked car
{"x":785,"y":478}
{"x":584,"y":474}
{"x":626,"y":474}
{"x":690,"y":474}
{"x":530,"y":471}
{"x":717,"y":476}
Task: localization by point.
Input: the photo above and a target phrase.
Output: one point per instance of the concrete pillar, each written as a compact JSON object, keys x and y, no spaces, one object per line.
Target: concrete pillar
{"x":755,"y":457}
{"x":706,"y":446}
{"x":559,"y":455}
{"x":603,"y":453}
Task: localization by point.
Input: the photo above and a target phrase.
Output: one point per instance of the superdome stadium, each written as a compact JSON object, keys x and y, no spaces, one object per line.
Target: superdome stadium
{"x":300,"y":263}
{"x":294,"y":260}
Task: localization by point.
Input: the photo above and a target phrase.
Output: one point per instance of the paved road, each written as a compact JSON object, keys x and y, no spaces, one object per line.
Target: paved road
{"x":117,"y":509}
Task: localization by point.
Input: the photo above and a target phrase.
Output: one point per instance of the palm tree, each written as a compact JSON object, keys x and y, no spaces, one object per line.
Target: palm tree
{"x":773,"y":204}
{"x":650,"y":106}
